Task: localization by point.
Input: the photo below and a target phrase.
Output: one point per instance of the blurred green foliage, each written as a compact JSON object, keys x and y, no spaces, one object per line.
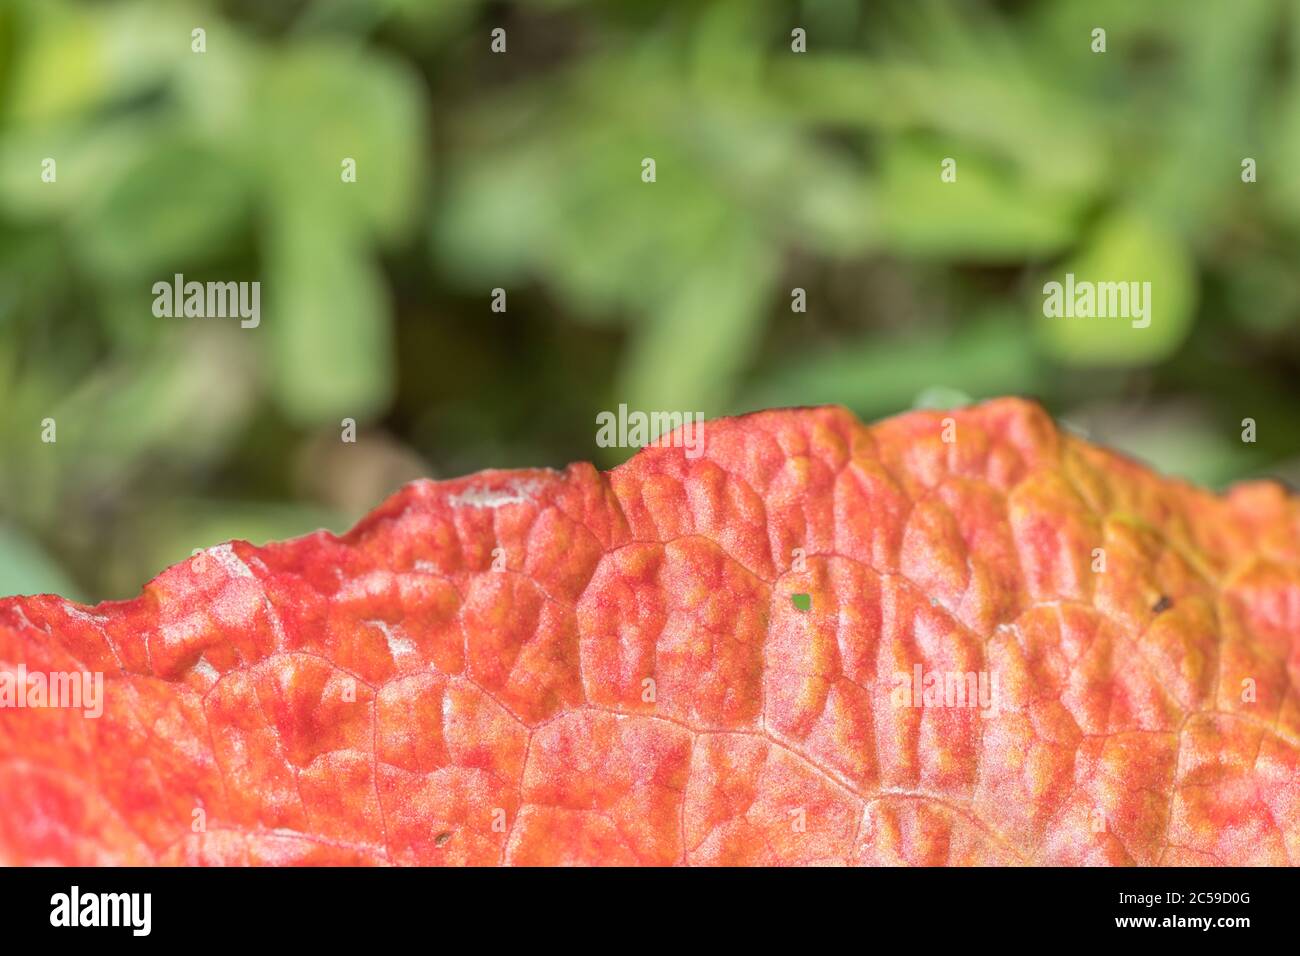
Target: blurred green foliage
{"x":522,"y":170}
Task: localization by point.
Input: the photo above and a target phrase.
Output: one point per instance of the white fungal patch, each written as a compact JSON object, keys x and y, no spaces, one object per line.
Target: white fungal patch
{"x":230,"y":562}
{"x":398,"y":646}
{"x":205,"y":670}
{"x":189,"y":629}
{"x":73,"y":611}
{"x":515,"y":493}
{"x":26,"y":621}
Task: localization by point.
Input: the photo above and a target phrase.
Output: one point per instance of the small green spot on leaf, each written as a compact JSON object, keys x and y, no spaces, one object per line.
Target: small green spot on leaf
{"x":802,"y":602}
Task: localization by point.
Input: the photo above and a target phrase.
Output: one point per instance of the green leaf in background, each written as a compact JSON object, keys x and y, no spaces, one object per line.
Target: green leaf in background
{"x":326,"y":322}
{"x":833,"y":88}
{"x":607,"y":241}
{"x":428,"y":20}
{"x":26,"y":569}
{"x":957,"y":72}
{"x":62,"y":64}
{"x":495,"y":217}
{"x":988,"y":356}
{"x":992,"y":212}
{"x":1124,"y":248}
{"x":1284,"y":140}
{"x":184,"y":398}
{"x":79,"y":76}
{"x":319,"y":104}
{"x":687,"y":356}
{"x":619,"y":243}
{"x":178,"y":202}
{"x":76,"y":57}
{"x":90,"y":161}
{"x":1208,"y":126}
{"x":554,"y":189}
{"x":796,"y":187}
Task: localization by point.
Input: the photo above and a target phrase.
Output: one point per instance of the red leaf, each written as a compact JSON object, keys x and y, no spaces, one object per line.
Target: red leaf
{"x":631,"y":678}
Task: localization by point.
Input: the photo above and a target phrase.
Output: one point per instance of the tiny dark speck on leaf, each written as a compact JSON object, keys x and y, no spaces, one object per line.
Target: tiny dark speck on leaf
{"x":1162,"y":605}
{"x":442,"y":838}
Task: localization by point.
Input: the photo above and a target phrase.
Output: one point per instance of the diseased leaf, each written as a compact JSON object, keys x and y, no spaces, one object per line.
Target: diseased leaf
{"x":671,"y":661}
